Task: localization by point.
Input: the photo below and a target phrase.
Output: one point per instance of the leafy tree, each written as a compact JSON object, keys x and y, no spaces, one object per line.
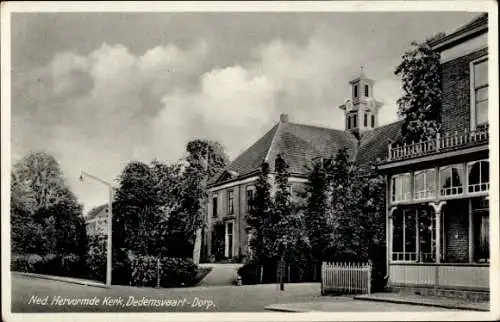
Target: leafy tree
{"x":318,"y":210}
{"x":136,"y":210}
{"x":45,"y":215}
{"x":204,"y":160}
{"x":286,"y":220}
{"x":420,"y":104}
{"x":345,"y":209}
{"x":259,"y":216}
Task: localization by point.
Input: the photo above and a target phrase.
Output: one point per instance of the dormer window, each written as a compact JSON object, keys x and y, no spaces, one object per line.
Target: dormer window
{"x":367,"y":91}
{"x":479,"y":92}
{"x":355,"y":91}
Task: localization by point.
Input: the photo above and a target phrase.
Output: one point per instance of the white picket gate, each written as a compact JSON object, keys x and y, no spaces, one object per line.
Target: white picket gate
{"x":346,"y":278}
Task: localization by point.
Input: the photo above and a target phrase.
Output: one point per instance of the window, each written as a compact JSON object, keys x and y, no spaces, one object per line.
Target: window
{"x":401,"y":187}
{"x":367,"y":90}
{"x":451,"y":180}
{"x":481,"y":227}
{"x":373,"y":120}
{"x":413,"y":235}
{"x":355,"y":91}
{"x":404,"y":236}
{"x":348,"y":122}
{"x":365,"y":122}
{"x":250,"y":196}
{"x":354,"y":121}
{"x":479,"y":95}
{"x":214,"y":206}
{"x":230,"y":202}
{"x":479,"y":176}
{"x":424,"y":184}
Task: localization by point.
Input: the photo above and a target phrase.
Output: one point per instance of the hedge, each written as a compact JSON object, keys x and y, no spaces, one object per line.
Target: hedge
{"x":69,"y":265}
{"x":165,"y":272}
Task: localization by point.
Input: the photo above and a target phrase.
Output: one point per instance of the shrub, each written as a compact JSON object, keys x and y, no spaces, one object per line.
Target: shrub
{"x":178,"y":272}
{"x":96,"y":260}
{"x":250,"y":273}
{"x":171,"y":272}
{"x":145,"y":271}
{"x":25,"y":263}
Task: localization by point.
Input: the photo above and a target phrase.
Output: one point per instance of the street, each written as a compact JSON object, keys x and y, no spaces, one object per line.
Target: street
{"x":41,"y":295}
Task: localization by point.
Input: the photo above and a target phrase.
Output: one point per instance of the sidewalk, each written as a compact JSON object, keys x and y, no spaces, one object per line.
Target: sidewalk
{"x":435,"y":301}
{"x":62,"y":279}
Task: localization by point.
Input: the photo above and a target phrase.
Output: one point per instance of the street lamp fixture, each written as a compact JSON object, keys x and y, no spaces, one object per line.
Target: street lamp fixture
{"x":109,"y":224}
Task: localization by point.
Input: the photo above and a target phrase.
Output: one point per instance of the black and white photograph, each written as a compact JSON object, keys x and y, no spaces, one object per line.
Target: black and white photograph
{"x":264,"y":158}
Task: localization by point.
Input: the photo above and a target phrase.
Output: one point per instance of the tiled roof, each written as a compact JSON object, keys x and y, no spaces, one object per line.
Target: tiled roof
{"x":298,"y":144}
{"x":374,"y":144}
{"x":94,"y":212}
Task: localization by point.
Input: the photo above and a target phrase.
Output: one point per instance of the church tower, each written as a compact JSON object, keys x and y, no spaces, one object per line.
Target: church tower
{"x":361,"y":110}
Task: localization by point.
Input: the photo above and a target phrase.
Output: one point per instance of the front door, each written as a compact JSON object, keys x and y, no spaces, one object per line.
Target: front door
{"x":228,"y":251}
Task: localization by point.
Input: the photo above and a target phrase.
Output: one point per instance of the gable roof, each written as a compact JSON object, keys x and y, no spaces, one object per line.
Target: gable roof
{"x":94,"y":212}
{"x":298,"y":144}
{"x":374,"y":144}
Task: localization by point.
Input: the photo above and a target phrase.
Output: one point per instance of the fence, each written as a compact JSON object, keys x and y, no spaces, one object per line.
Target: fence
{"x":346,"y":278}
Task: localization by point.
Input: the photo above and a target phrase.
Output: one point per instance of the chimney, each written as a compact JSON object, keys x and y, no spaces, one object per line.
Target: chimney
{"x":284,"y":118}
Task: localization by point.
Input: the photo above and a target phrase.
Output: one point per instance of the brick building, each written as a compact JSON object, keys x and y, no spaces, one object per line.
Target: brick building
{"x":437,"y":218}
{"x":438,"y":190}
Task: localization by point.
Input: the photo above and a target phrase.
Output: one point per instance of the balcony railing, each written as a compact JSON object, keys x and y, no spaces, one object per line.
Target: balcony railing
{"x":441,"y":143}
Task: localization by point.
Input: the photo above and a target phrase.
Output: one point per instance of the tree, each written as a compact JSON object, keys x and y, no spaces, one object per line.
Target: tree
{"x":45,"y":215}
{"x":259,"y":216}
{"x":318,"y":210}
{"x":286,"y":220}
{"x":204,"y":160}
{"x":345,"y":209}
{"x":420,"y":104}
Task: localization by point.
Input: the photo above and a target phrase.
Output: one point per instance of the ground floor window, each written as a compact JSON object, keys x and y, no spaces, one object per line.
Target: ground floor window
{"x":414,"y":235}
{"x":481,"y":228}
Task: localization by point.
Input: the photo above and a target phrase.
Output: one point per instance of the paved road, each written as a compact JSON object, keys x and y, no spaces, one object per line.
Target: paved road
{"x":197,"y":299}
{"x":221,"y":274}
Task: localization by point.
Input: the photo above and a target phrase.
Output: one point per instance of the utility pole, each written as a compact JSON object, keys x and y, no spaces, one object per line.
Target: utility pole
{"x":109,"y":248}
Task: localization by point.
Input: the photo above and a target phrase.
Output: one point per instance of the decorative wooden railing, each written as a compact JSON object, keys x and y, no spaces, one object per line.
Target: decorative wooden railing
{"x":440,"y":143}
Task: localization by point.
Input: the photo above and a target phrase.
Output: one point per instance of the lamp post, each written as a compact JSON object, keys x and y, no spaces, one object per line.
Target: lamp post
{"x":109,"y":226}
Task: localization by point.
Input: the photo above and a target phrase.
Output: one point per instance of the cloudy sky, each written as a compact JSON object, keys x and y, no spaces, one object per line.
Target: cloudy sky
{"x":101,"y":89}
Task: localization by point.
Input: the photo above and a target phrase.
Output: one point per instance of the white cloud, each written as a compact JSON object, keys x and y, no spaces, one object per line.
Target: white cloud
{"x":112,"y":106}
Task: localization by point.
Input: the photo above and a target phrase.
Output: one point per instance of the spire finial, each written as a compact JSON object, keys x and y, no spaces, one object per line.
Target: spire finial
{"x":362,"y":73}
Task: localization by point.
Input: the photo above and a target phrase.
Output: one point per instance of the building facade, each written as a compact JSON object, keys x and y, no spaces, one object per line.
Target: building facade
{"x":438,"y":190}
{"x":96,"y":221}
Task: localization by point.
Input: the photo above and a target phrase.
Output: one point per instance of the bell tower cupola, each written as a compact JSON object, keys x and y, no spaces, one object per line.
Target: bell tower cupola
{"x":361,"y":109}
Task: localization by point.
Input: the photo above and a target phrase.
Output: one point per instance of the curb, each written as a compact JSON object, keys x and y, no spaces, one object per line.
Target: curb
{"x":397,"y":301}
{"x":62,"y":279}
{"x":284,"y":309}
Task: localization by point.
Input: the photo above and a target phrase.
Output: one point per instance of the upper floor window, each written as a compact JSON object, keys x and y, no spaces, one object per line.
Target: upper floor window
{"x":401,"y":187}
{"x":250,"y":196}
{"x":365,"y":121}
{"x":479,"y":176}
{"x":424,"y":184}
{"x":355,"y":90}
{"x":479,"y":95}
{"x":451,"y":179}
{"x":214,"y":206}
{"x":373,"y":120}
{"x":354,"y":121}
{"x":348,"y":122}
{"x":230,"y":202}
{"x":367,"y":91}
